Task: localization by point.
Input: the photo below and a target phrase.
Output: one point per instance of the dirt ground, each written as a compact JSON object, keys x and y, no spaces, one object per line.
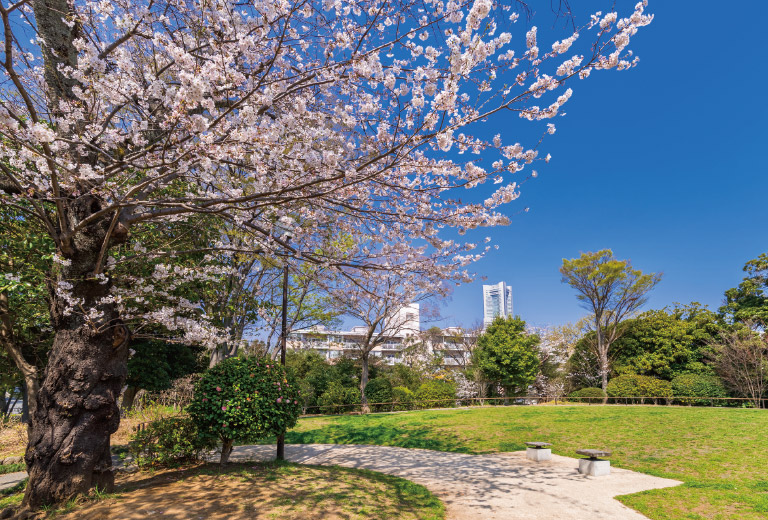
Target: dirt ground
{"x":13,"y":439}
{"x":13,"y":435}
{"x":250,"y":490}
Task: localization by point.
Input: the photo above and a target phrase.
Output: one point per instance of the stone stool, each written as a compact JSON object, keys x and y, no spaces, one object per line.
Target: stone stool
{"x":538,"y":451}
{"x":593,"y":465}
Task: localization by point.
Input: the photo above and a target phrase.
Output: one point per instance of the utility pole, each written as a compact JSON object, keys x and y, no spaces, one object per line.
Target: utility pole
{"x":283,"y":339}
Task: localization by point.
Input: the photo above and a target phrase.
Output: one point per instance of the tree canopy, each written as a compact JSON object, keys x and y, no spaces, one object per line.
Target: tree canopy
{"x":611,"y":290}
{"x":749,"y":301}
{"x":507,"y":355}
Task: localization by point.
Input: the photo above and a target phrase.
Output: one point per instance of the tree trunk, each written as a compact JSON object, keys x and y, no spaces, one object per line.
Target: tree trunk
{"x":24,"y":404}
{"x":28,"y":370}
{"x":217,"y":356}
{"x":68,"y":449}
{"x":482,"y":391}
{"x":602,"y":353}
{"x":363,"y":383}
{"x":226,"y":451}
{"x":128,"y":398}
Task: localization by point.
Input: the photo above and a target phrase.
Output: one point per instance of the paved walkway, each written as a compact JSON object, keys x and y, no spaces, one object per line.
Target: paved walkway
{"x":505,"y":485}
{"x":500,"y":486}
{"x":11,"y":479}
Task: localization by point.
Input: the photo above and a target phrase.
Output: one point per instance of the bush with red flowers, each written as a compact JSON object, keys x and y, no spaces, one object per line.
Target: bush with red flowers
{"x":243,"y":400}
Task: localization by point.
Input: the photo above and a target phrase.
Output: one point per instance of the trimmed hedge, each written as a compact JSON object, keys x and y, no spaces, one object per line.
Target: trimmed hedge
{"x":697,"y":385}
{"x":594,"y":395}
{"x":436,"y":394}
{"x":635,"y":388}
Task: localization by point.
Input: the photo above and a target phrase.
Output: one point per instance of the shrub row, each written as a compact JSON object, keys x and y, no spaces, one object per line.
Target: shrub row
{"x":690,"y":389}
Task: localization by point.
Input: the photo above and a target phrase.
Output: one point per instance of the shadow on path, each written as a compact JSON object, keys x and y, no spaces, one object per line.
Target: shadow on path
{"x":492,"y":486}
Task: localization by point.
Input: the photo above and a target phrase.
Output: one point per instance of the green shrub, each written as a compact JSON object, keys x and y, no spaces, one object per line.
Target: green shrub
{"x":379,"y":390}
{"x":339,"y":399}
{"x":403,"y":398}
{"x":588,"y":395}
{"x":244,"y":400}
{"x":635,"y":388}
{"x":167,"y":442}
{"x":654,"y":388}
{"x":436,"y":394}
{"x":696,"y":385}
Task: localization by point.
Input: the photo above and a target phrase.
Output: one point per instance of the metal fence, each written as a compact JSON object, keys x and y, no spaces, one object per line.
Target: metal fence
{"x":397,"y":406}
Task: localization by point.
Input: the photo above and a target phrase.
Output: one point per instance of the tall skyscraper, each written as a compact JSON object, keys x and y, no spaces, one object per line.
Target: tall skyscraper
{"x":497,"y":301}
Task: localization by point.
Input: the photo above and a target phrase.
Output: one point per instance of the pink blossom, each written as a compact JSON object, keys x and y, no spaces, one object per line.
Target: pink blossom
{"x":218,"y":389}
{"x":224,"y":408}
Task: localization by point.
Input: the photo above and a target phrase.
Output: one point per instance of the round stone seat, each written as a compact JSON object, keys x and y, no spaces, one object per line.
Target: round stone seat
{"x":538,"y":445}
{"x":594,"y":454}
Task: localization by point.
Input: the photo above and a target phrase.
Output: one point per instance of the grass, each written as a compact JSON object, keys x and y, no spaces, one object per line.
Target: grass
{"x":12,"y":468}
{"x":720,"y":454}
{"x":12,"y":496}
{"x":259,"y":490}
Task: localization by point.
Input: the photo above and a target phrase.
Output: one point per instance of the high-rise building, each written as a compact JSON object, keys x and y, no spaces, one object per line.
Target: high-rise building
{"x":497,"y":301}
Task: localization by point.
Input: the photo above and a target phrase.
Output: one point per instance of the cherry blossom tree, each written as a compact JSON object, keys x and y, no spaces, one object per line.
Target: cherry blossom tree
{"x":116,"y":116}
{"x":386,"y":305}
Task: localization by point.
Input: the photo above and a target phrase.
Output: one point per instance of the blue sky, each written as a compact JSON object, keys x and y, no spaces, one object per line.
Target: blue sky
{"x":665,"y":164}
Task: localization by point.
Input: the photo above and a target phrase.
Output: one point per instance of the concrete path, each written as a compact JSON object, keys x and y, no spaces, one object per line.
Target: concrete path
{"x":499,"y":486}
{"x":11,"y":479}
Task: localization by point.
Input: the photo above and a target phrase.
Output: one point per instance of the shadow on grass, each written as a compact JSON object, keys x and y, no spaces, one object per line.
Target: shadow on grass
{"x":246,"y":490}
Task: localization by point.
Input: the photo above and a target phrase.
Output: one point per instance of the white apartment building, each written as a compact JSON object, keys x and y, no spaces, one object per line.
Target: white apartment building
{"x":337,"y":343}
{"x":497,"y":301}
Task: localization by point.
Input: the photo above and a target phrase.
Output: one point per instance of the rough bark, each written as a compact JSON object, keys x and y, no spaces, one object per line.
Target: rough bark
{"x":68,"y":451}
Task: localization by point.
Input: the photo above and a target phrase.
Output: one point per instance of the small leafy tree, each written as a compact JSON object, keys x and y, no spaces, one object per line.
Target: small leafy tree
{"x":612,"y":290}
{"x":508,"y":355}
{"x":245,"y":399}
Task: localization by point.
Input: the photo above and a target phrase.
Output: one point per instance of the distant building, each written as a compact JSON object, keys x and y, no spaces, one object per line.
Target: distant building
{"x":337,"y":343}
{"x":497,"y":301}
{"x":333,"y":344}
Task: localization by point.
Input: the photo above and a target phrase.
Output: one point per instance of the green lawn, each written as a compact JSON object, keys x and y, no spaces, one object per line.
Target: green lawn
{"x":720,"y":454}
